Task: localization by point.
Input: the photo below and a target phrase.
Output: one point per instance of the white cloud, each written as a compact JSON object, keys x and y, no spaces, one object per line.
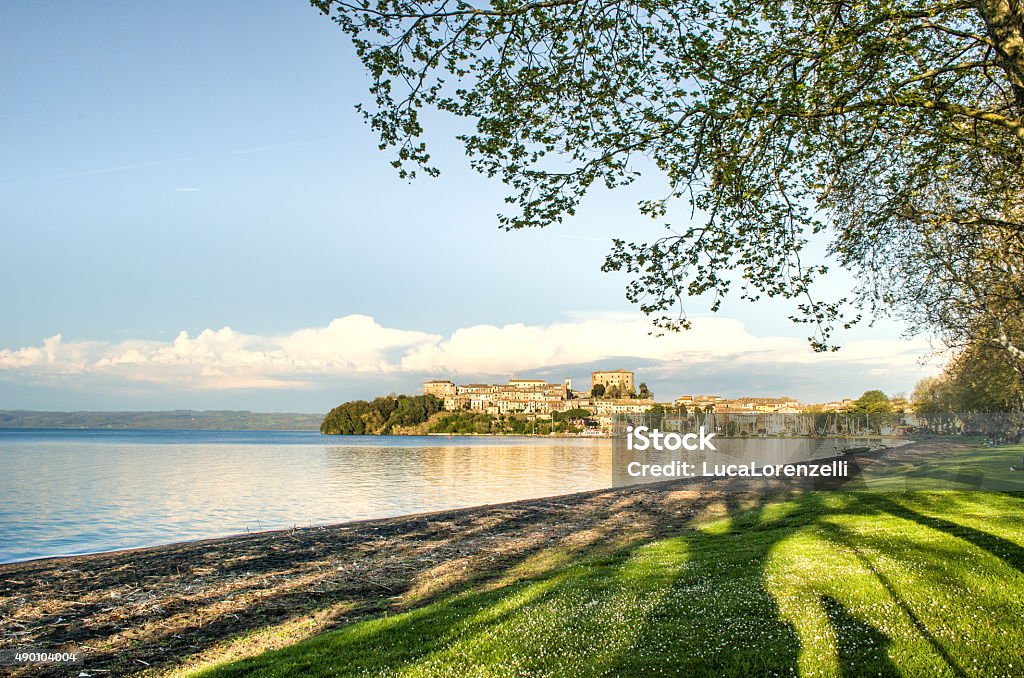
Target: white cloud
{"x":358,"y":345}
{"x":487,"y":349}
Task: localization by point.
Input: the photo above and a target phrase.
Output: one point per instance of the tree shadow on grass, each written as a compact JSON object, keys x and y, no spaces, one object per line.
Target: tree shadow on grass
{"x":854,"y":544}
{"x":561,"y":593}
{"x":683,"y":601}
{"x":1008,"y":551}
{"x":610,"y":533}
{"x":860,"y":648}
{"x":690,"y":604}
{"x":515,"y":624}
{"x":738,"y":629}
{"x":391,"y":641}
{"x":718,"y":617}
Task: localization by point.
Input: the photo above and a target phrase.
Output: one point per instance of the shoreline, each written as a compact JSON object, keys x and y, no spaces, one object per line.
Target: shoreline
{"x":178,"y":606}
{"x":250,"y":533}
{"x":910,"y":445}
{"x":156,"y":609}
{"x":571,"y":436}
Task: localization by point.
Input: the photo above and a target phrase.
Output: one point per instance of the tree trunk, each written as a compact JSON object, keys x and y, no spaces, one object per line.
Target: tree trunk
{"x":1015,"y":353}
{"x":1005,"y":22}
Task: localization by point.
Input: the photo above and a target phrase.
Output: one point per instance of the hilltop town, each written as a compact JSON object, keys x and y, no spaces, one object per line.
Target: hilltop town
{"x":611,"y":392}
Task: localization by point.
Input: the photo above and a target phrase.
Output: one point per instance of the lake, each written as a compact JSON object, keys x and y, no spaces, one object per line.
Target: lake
{"x":65,"y":492}
{"x":68,"y":492}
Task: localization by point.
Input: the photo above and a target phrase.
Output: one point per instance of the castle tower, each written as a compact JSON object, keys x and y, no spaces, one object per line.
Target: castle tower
{"x":622,"y":380}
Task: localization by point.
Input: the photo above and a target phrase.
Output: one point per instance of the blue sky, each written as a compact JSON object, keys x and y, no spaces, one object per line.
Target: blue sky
{"x":192,"y":166}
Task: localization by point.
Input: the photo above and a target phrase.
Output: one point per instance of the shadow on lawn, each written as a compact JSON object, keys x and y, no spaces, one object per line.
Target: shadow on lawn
{"x":415,"y":636}
{"x":693,"y":631}
{"x":423,"y":636}
{"x":1009,"y":552}
{"x":738,"y":629}
{"x":696,"y":603}
{"x":855,"y":543}
{"x":688,"y":601}
{"x":860,"y":647}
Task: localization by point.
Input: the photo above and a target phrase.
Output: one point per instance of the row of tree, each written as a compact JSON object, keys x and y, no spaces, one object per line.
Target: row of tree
{"x":381,"y":415}
{"x":475,"y":422}
{"x":615,"y":391}
{"x":981,"y":378}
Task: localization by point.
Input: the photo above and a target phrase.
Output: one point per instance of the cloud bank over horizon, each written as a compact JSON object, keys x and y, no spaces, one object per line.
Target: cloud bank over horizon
{"x":718,"y":355}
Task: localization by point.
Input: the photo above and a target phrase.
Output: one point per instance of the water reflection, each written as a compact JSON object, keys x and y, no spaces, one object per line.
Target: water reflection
{"x":65,"y":492}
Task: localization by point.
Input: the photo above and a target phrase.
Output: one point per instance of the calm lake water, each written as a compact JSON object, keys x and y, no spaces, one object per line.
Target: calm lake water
{"x":65,"y":492}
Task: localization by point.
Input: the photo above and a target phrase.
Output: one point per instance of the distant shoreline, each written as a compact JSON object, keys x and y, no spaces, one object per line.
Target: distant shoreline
{"x":309,"y":430}
{"x":167,"y":420}
{"x":157,"y":429}
{"x":255,"y":429}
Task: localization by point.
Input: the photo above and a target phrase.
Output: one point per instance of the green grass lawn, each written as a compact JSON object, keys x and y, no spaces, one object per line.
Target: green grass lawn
{"x":982,"y":468}
{"x":922,"y":583}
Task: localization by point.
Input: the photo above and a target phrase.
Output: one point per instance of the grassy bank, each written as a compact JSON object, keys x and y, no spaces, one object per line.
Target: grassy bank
{"x":833,"y":584}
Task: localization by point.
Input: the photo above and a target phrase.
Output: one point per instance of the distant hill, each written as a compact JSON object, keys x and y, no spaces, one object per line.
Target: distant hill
{"x":206,"y":420}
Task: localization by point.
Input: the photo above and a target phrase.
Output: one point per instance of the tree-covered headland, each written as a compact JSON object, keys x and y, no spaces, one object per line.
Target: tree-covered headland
{"x":380,"y":416}
{"x":424,"y":414}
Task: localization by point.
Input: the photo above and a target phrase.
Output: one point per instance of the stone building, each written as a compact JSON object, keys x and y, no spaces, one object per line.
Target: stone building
{"x":622,"y":379}
{"x":442,"y":388}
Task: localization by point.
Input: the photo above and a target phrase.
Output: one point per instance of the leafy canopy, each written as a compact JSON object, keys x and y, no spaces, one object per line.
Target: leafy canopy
{"x":872,"y":402}
{"x":873,"y":125}
{"x":979,"y":379}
